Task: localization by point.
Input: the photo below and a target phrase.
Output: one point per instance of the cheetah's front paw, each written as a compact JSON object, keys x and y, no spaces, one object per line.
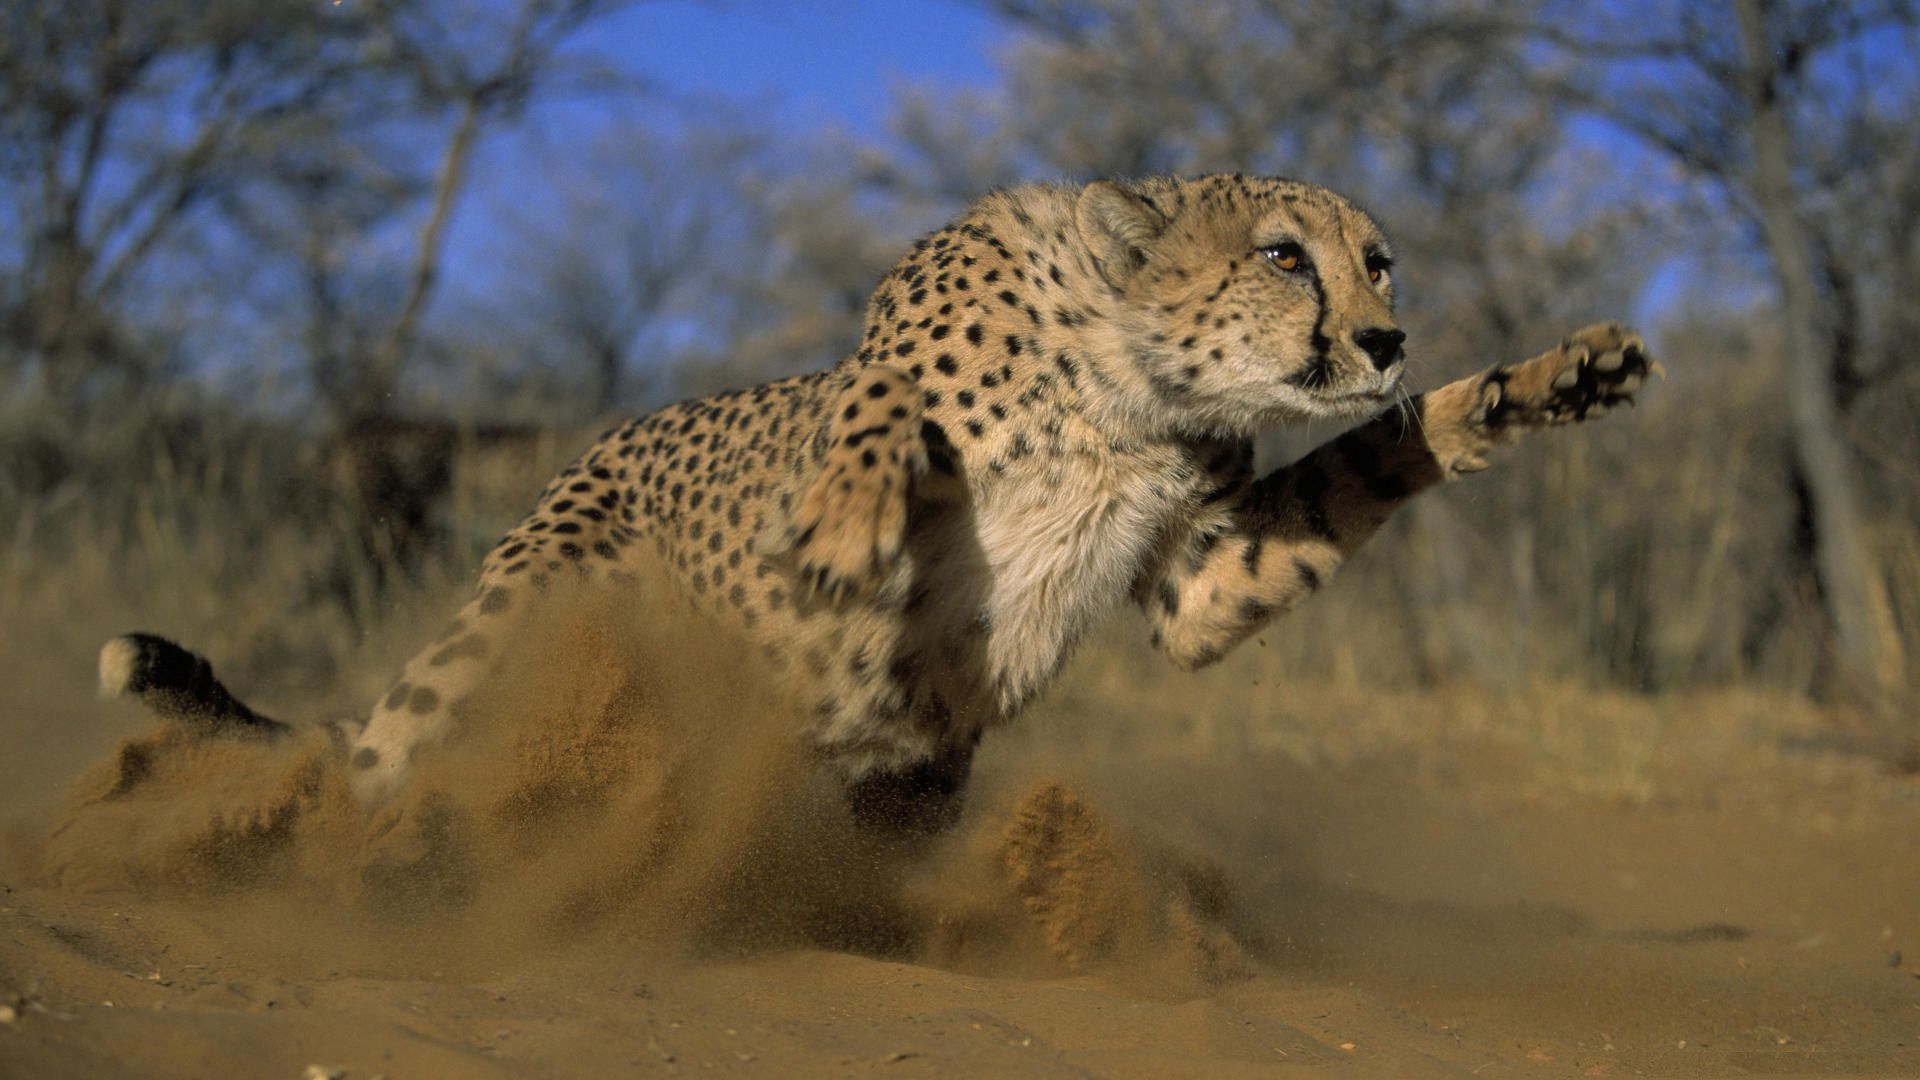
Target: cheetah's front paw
{"x":1595,"y":370}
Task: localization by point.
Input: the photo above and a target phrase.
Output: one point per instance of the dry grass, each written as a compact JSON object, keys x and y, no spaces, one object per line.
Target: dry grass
{"x":1577,"y":605}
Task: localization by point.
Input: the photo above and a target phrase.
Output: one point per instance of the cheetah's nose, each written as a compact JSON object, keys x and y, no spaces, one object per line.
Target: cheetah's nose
{"x":1380,"y":343}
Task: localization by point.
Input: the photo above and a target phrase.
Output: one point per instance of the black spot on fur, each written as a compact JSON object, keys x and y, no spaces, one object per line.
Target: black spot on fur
{"x":1308,"y":575}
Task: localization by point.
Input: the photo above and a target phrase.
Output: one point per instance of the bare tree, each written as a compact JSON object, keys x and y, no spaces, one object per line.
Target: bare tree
{"x":483,"y":70}
{"x":634,"y":268}
{"x":814,"y":238}
{"x":100,"y":184}
{"x":1744,"y":75}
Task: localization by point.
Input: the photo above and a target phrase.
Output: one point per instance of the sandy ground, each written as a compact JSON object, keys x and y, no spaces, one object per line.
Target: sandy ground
{"x":1113,"y":904}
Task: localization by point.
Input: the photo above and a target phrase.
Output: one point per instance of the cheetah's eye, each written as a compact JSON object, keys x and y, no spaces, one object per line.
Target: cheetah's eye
{"x":1378,"y":264}
{"x":1289,"y":256}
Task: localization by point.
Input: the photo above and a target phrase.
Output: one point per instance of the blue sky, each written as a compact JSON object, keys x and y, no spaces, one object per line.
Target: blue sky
{"x":789,"y":67}
{"x":805,"y":63}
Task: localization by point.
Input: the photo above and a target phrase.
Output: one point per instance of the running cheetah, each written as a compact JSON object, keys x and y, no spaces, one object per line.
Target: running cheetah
{"x":1051,"y":412}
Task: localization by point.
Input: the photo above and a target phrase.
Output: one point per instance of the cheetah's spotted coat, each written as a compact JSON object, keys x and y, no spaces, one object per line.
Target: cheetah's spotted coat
{"x":1051,"y":412}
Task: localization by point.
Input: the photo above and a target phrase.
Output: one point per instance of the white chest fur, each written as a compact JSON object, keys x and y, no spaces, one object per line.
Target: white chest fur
{"x":1064,"y":538}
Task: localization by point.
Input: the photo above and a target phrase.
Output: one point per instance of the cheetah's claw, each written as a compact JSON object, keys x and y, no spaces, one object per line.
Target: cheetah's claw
{"x":1595,"y":370}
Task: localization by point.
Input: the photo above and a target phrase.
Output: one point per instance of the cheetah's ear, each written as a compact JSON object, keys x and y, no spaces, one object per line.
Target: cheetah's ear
{"x":1117,"y":225}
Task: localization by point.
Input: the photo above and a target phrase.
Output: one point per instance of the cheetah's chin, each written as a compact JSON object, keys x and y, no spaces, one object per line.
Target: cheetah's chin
{"x":1353,"y":405}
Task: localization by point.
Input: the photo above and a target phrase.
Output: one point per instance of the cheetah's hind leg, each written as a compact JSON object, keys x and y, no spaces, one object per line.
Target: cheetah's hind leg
{"x":848,"y":525}
{"x":180,"y":686}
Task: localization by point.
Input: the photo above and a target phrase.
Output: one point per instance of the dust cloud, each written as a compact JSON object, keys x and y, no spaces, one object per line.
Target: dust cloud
{"x":649,"y":790}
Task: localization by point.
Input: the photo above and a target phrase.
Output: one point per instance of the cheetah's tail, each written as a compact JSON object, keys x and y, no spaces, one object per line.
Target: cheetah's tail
{"x":179,"y":685}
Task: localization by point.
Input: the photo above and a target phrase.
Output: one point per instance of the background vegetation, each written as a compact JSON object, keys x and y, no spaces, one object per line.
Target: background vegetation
{"x":245,"y":399}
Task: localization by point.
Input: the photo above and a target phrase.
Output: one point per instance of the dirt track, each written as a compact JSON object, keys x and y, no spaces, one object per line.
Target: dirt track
{"x":618,"y":874}
{"x":1390,"y":926}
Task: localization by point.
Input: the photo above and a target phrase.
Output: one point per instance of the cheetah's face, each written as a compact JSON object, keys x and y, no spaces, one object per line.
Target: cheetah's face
{"x":1249,"y":302}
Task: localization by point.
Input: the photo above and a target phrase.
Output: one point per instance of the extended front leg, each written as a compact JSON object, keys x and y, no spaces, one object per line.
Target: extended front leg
{"x":1282,"y":537}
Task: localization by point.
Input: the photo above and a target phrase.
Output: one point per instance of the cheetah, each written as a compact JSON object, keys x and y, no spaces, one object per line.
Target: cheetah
{"x":1050,"y":414}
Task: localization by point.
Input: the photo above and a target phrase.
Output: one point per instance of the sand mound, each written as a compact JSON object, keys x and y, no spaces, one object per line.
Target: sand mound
{"x":604,"y":788}
{"x":1044,"y":882}
{"x":168,"y":812}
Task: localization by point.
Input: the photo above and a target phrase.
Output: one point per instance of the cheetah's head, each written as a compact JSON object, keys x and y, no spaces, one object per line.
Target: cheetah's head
{"x":1246,"y":302}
